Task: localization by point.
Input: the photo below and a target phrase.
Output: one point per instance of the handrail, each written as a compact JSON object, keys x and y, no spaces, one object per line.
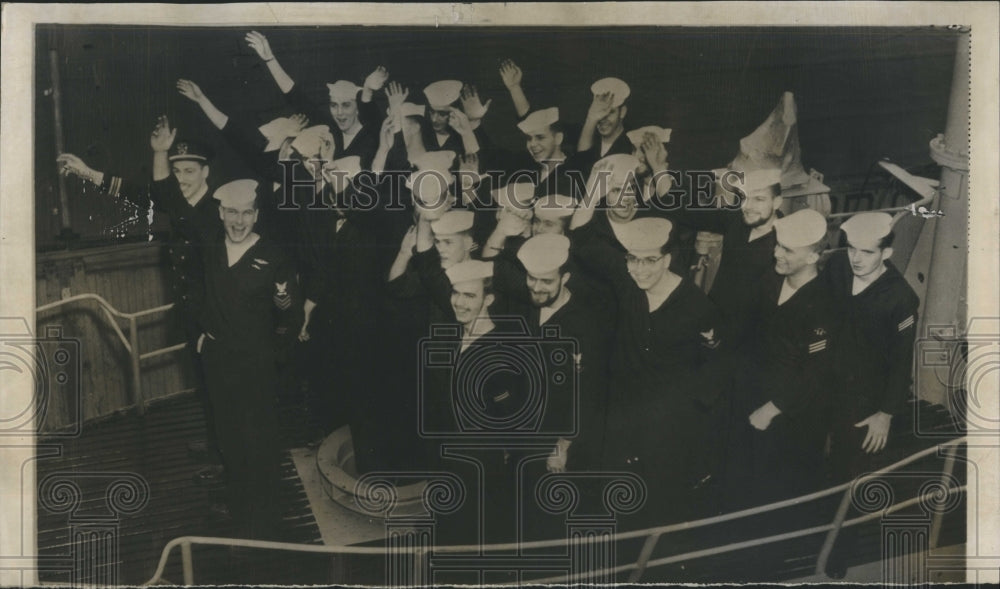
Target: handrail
{"x":130,"y":342}
{"x":659,"y":531}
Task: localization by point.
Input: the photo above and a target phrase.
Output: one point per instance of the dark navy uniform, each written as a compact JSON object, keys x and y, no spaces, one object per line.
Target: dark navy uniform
{"x":876,"y":360}
{"x":249,"y":305}
{"x":788,"y":359}
{"x":662,"y":381}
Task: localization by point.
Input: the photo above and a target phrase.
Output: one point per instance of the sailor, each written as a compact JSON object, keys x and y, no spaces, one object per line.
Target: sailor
{"x":789,"y":364}
{"x":546,"y":263}
{"x":450,"y":129}
{"x":748,"y":242}
{"x":666,"y":344}
{"x":351,"y":113}
{"x":878,"y":310}
{"x":252,"y":300}
{"x":603,"y":132}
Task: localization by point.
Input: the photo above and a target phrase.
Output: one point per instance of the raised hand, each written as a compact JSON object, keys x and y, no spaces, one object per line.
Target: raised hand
{"x":258,"y":43}
{"x":163,"y":136}
{"x":298,"y":121}
{"x":396,"y":94}
{"x":377,"y":79}
{"x":190,"y":90}
{"x":459,"y":122}
{"x":387,"y":135}
{"x":510,"y":73}
{"x":409,"y":239}
{"x":655,"y":152}
{"x":473,"y":107}
{"x":600,"y":106}
{"x":514,"y":222}
{"x":71,"y":164}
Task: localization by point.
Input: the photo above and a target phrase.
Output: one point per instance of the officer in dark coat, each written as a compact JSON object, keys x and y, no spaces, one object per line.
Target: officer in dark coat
{"x":252,"y":299}
{"x":878,"y":309}
{"x":788,"y":367}
{"x":180,"y":190}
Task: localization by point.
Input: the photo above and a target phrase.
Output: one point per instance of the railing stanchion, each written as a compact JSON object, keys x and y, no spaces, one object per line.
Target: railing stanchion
{"x":831,"y":536}
{"x":187,"y":563}
{"x":949,"y":467}
{"x":133,"y":335}
{"x":644,"y":556}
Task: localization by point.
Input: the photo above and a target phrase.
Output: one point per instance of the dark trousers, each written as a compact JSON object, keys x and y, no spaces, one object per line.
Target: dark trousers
{"x":847,"y":462}
{"x":240,"y":384}
{"x":184,"y":317}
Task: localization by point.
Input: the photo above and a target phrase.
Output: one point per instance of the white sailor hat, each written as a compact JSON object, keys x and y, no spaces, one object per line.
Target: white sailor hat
{"x":622,"y":164}
{"x":515,"y":196}
{"x":554,"y":206}
{"x":867,"y":227}
{"x":342,"y":91}
{"x":453,"y":222}
{"x":433,"y":175}
{"x":238,"y":194}
{"x":469,"y":270}
{"x":637,"y":136}
{"x":310,"y":140}
{"x":618,"y":88}
{"x":539,"y":120}
{"x":544,"y":253}
{"x":277,"y":131}
{"x":441,"y":94}
{"x":802,"y":228}
{"x":648,"y":233}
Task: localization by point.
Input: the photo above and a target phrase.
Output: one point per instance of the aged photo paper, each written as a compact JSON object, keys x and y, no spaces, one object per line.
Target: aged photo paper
{"x":487,"y":294}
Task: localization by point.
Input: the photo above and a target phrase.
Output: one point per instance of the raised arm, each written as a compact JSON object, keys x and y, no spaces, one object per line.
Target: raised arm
{"x":192,"y":92}
{"x":161,"y":140}
{"x":259,"y":43}
{"x":511,"y":76}
{"x":599,"y":108}
{"x":374,"y":83}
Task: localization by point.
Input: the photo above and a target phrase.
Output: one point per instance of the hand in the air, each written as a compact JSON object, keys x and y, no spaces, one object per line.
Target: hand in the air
{"x":510,"y":73}
{"x":298,"y":121}
{"x":258,"y":43}
{"x":600,"y":106}
{"x":163,"y":136}
{"x":473,"y":107}
{"x":190,"y":90}
{"x":71,"y":164}
{"x":458,"y":121}
{"x":377,"y":79}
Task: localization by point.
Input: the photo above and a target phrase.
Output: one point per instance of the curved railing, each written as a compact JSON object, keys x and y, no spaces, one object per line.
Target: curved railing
{"x":652,"y":535}
{"x":131,"y":342}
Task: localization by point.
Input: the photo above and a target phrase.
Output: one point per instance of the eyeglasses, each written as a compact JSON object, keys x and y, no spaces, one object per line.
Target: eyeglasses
{"x":642,"y":262}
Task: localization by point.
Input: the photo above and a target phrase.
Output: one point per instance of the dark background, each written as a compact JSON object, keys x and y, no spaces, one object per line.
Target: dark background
{"x":862,"y":94}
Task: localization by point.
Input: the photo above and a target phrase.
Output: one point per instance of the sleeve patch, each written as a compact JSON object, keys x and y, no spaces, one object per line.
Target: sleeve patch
{"x":282,"y":299}
{"x":708,"y":339}
{"x":905,"y":323}
{"x":818,"y":346}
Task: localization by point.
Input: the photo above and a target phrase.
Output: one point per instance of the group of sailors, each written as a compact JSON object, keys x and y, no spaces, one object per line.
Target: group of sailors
{"x":380,"y":217}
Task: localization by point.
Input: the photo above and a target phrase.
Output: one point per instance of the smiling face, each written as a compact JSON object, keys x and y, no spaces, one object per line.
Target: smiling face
{"x":191,"y":176}
{"x":453,"y":249}
{"x":866,"y":257}
{"x":439,"y":120}
{"x":790,"y":260}
{"x":612,"y":122}
{"x":469,"y":300}
{"x":549,"y":225}
{"x":544,"y":145}
{"x":238,"y":222}
{"x":647,"y":267}
{"x":344,"y":113}
{"x":546,"y":288}
{"x":622,"y":202}
{"x":759,"y":206}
